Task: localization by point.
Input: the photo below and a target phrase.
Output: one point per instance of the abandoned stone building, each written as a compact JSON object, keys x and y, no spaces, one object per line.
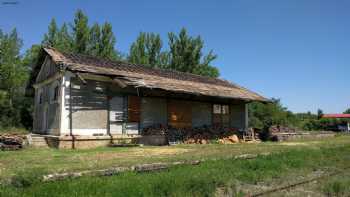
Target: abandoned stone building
{"x":84,"y":101}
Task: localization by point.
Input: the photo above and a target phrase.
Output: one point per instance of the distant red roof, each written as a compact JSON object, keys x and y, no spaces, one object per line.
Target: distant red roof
{"x":336,"y":116}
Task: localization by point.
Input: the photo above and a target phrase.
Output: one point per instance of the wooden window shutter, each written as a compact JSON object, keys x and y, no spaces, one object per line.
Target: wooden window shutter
{"x":134,"y":108}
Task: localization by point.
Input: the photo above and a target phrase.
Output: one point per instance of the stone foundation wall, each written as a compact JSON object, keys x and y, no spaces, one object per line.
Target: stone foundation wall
{"x":86,"y":142}
{"x":153,"y":140}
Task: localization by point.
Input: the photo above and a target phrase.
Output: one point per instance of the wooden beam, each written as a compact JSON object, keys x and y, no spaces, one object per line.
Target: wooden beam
{"x":49,"y":80}
{"x":119,"y":82}
{"x":81,"y":78}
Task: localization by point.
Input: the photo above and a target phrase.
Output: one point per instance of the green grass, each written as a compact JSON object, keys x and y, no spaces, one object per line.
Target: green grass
{"x":201,"y":180}
{"x":52,"y":160}
{"x":337,"y":186}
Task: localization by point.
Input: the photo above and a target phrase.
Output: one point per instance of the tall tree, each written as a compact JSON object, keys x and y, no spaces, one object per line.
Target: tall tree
{"x":107,"y":42}
{"x":58,"y":37}
{"x":64,"y":39}
{"x":50,"y":38}
{"x":347,"y":111}
{"x":80,"y":32}
{"x":186,"y":55}
{"x":15,"y":108}
{"x":29,"y":61}
{"x":94,"y":47}
{"x":12,"y":73}
{"x":13,"y":76}
{"x":147,"y":50}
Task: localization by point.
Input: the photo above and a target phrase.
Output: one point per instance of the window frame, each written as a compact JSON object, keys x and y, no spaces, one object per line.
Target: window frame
{"x":40,"y":96}
{"x":54,"y":92}
{"x":217,"y":107}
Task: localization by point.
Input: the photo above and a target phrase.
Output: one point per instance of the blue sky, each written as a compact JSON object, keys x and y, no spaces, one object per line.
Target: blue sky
{"x":295,"y":50}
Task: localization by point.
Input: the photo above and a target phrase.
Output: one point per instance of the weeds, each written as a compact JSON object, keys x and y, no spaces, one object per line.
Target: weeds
{"x":24,"y":179}
{"x":339,"y":187}
{"x":201,"y":180}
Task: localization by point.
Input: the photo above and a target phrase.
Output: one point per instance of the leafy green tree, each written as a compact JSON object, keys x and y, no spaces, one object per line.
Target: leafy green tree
{"x":102,"y":41}
{"x":50,"y":38}
{"x":58,"y":37}
{"x":107,"y":43}
{"x":81,"y":32}
{"x":95,"y":46}
{"x":29,"y":61}
{"x":13,"y":76}
{"x":347,"y":111}
{"x":265,"y":115}
{"x":97,"y":40}
{"x":146,"y":50}
{"x":64,"y":39}
{"x":12,"y":73}
{"x":186,"y":55}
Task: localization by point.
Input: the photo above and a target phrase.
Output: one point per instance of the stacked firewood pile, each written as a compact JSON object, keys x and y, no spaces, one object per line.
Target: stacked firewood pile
{"x":229,"y":140}
{"x":281,"y":129}
{"x":201,"y":135}
{"x":11,"y":142}
{"x":155,"y":131}
{"x":206,"y":135}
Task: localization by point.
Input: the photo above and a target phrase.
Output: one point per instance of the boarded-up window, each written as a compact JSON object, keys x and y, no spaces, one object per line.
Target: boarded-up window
{"x":225,"y":109}
{"x":134,"y":108}
{"x":179,"y":114}
{"x":217,"y":109}
{"x":221,"y":115}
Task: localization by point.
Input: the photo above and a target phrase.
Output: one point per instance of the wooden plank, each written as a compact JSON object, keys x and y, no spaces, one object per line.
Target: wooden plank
{"x":134,"y":103}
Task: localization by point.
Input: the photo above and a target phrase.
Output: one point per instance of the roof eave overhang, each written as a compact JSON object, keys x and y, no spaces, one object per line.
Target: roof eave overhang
{"x":111,"y":78}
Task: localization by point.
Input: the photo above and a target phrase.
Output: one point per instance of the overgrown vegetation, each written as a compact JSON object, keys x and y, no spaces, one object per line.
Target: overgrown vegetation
{"x":205,"y":180}
{"x":338,"y":186}
{"x":263,"y":116}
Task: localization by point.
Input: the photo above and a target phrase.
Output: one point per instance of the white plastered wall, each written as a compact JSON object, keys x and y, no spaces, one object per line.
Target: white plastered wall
{"x":64,"y":120}
{"x":65,"y":112}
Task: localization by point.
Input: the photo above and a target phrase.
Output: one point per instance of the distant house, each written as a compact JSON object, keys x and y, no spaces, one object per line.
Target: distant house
{"x":87,"y":101}
{"x":346,"y":123}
